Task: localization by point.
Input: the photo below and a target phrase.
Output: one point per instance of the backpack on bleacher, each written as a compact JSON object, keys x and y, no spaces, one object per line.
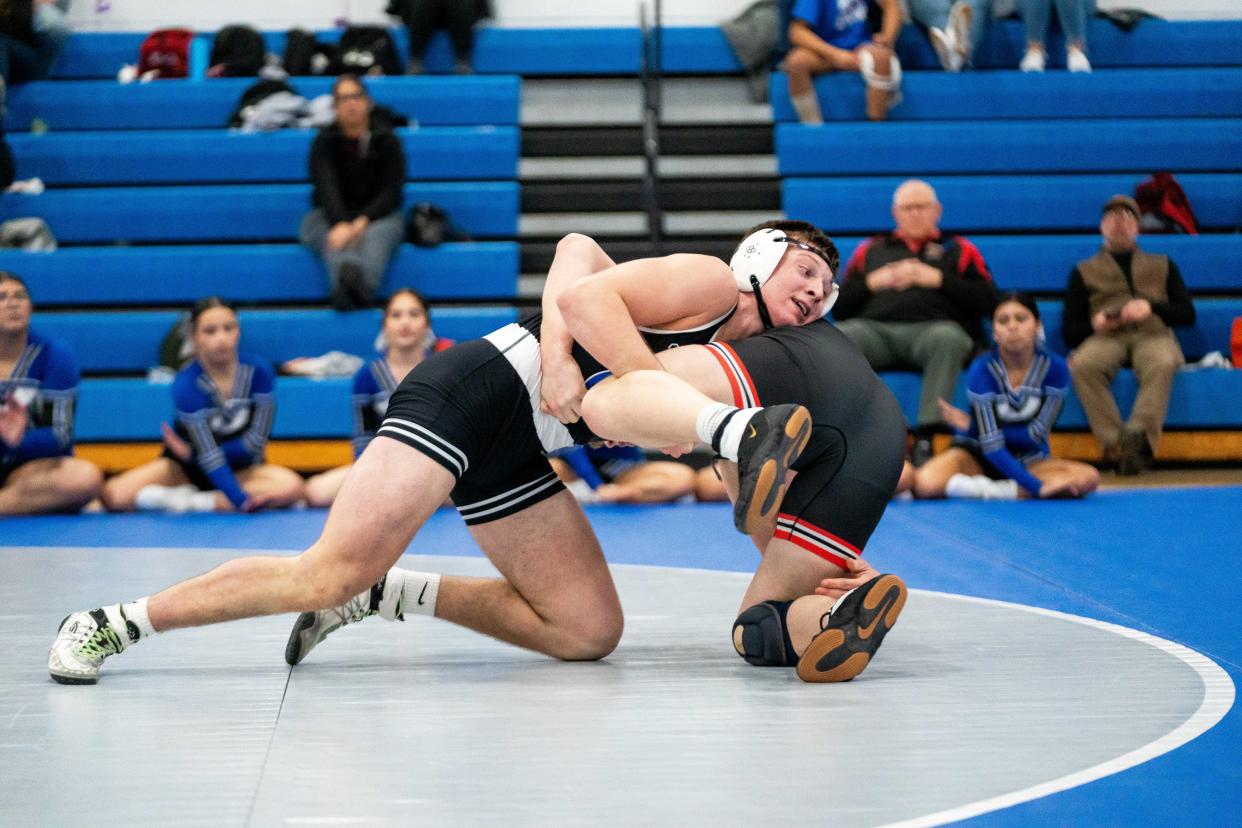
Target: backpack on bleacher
{"x":1164,"y":206}
{"x":166,"y":52}
{"x":428,"y":225}
{"x":363,"y":48}
{"x":305,"y":55}
{"x":237,"y":52}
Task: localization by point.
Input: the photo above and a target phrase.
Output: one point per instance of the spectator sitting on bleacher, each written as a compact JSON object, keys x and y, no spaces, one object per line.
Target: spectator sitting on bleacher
{"x":914,"y":299}
{"x":954,"y":28}
{"x":1000,"y":451}
{"x":31,"y":37}
{"x":1119,"y":308}
{"x":357,"y":167}
{"x":423,"y":18}
{"x":408,"y":340}
{"x":38,"y":388}
{"x":213,"y":460}
{"x":832,"y":35}
{"x":1072,"y":15}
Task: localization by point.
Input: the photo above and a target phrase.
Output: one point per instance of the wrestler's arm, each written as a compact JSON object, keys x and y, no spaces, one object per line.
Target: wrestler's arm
{"x":602,"y":312}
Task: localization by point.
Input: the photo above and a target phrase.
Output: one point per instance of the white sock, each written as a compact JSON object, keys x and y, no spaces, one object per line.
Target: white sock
{"x":807,"y":107}
{"x":130,"y":621}
{"x":406,"y":590}
{"x":709,"y":420}
{"x":731,"y":437}
{"x":981,"y":487}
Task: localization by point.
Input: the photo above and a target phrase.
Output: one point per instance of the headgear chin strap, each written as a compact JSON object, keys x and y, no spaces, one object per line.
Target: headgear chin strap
{"x":756,"y":259}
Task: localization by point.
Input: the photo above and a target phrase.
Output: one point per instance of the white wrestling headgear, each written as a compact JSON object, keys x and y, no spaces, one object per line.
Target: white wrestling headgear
{"x":756,"y":258}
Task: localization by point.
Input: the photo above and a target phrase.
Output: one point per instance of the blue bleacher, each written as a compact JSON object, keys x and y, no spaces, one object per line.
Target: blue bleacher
{"x":266,"y":212}
{"x":1205,"y":399}
{"x":695,"y":50}
{"x":1048,"y":203}
{"x":1042,"y":264}
{"x":1196,"y":43}
{"x":186,"y":104}
{"x":1013,"y":95}
{"x":128,"y":341}
{"x":218,"y":156}
{"x":1008,"y":146}
{"x":130,"y":409}
{"x":250,"y":273}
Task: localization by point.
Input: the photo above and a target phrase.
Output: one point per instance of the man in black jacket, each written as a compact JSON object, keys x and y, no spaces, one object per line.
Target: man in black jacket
{"x":915,"y":299}
{"x":1119,"y":308}
{"x":357,"y":167}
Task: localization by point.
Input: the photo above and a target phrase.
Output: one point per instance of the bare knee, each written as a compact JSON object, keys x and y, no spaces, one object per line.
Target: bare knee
{"x":802,"y":62}
{"x":114,"y":496}
{"x":79,"y":481}
{"x":591,"y":640}
{"x":883,"y":60}
{"x":322,"y":585}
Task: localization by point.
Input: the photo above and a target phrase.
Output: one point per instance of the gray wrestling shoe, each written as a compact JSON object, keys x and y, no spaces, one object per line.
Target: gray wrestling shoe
{"x":82,"y":643}
{"x":853,"y":630}
{"x":313,"y":627}
{"x":773,"y":440}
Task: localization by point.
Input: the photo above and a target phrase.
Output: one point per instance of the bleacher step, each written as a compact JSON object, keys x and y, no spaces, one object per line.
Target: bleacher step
{"x":669,"y":166}
{"x":615,"y":101}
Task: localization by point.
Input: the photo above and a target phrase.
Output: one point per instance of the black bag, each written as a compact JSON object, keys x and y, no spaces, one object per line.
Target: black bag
{"x":363,"y":48}
{"x":428,"y":225}
{"x":237,"y":52}
{"x":299,"y":49}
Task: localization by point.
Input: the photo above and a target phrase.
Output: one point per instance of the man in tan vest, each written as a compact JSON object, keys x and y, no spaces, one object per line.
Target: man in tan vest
{"x":1119,"y":308}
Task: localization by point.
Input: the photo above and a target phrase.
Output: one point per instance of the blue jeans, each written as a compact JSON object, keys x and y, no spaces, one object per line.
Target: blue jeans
{"x":21,"y":61}
{"x":935,"y":13}
{"x":379,"y":240}
{"x":1073,"y":15}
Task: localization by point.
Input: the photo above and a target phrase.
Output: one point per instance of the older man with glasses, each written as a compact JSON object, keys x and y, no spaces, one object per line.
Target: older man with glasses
{"x":916,"y":299}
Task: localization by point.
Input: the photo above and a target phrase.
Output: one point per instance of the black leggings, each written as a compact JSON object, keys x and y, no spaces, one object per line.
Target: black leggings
{"x":424,"y":17}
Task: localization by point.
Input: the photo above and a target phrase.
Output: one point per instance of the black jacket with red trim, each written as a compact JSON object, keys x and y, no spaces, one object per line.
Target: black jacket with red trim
{"x":966,"y":297}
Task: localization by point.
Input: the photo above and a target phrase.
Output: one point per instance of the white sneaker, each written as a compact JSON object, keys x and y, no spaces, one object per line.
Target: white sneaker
{"x":313,"y":627}
{"x":1032,"y":61}
{"x":1076,"y":60}
{"x":84,"y":640}
{"x":961,"y":15}
{"x":946,"y":49}
{"x":183,"y":498}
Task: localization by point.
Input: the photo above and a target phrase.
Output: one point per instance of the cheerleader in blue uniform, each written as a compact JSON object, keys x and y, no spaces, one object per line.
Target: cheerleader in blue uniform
{"x":407,"y":340}
{"x":1001,"y":450}
{"x":213,"y":459}
{"x":38,"y":388}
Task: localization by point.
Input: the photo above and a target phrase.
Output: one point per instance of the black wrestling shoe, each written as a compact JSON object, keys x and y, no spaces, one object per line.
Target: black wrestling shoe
{"x":855,"y":627}
{"x":773,"y":440}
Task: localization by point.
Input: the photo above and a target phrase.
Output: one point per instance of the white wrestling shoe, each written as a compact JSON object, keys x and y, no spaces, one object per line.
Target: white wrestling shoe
{"x":313,"y":627}
{"x":84,"y":640}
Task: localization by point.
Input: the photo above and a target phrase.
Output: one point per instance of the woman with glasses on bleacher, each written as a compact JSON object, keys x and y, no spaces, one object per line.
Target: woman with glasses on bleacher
{"x":357,"y":167}
{"x":213,"y":459}
{"x":406,"y":339}
{"x":38,"y":388}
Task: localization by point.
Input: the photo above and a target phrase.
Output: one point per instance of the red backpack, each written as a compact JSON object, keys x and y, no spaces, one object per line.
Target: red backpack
{"x":166,"y":52}
{"x":1164,"y":206}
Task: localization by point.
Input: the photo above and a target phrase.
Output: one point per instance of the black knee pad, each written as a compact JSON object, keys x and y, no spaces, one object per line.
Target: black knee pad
{"x":759,"y":635}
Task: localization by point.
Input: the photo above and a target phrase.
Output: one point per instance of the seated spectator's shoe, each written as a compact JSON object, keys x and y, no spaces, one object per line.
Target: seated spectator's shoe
{"x":1132,"y":451}
{"x":921,"y":451}
{"x":183,"y":498}
{"x":82,"y":643}
{"x":313,"y":627}
{"x":946,"y":49}
{"x":462,"y":67}
{"x":355,"y":286}
{"x":773,"y":440}
{"x":1032,"y":61}
{"x":1076,"y":60}
{"x":341,"y":299}
{"x":855,"y":628}
{"x":980,"y":487}
{"x":415,"y":67}
{"x":961,"y":15}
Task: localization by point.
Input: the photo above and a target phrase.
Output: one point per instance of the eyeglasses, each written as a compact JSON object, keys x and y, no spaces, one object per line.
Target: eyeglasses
{"x":15,"y":296}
